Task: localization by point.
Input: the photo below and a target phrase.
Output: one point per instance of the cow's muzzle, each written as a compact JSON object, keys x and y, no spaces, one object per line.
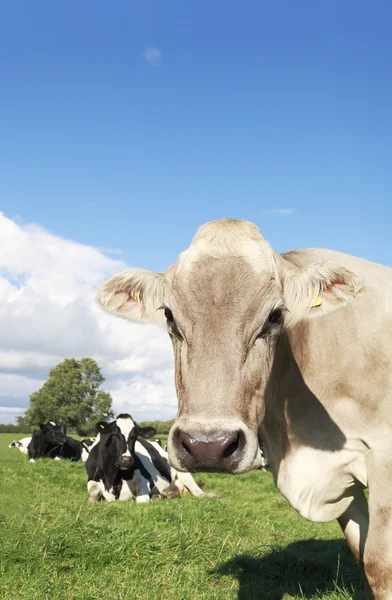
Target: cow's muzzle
{"x":225,"y":450}
{"x":125,"y":462}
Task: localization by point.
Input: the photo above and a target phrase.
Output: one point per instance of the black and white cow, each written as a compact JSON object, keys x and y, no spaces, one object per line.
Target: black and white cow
{"x":122,"y":465}
{"x":21,"y":444}
{"x":49,"y":442}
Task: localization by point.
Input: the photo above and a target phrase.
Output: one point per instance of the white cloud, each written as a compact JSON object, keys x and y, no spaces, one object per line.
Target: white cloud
{"x":282,"y":212}
{"x":6,"y":410}
{"x":17,"y":386}
{"x":153,"y":56}
{"x":48,"y":312}
{"x":113,"y":251}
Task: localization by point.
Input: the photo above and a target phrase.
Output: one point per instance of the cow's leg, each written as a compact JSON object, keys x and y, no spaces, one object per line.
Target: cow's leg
{"x":187,"y":480}
{"x":142,"y":490}
{"x":94,"y":489}
{"x":175,"y":489}
{"x":378,"y":546}
{"x":355,"y":524}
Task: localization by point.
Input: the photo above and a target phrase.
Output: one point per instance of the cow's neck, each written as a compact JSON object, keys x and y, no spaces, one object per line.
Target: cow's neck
{"x":302,"y":440}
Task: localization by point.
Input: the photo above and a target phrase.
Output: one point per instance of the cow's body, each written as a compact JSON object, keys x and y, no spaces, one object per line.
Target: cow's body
{"x":22,"y":444}
{"x":145,"y":473}
{"x":330,"y":397}
{"x":296,"y":347}
{"x":49,"y":442}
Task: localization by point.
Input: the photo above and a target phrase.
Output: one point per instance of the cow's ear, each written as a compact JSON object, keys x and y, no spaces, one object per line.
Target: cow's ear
{"x":102,"y":427}
{"x":146,"y":432}
{"x":135,"y":294}
{"x":42,"y":426}
{"x":317,"y":290}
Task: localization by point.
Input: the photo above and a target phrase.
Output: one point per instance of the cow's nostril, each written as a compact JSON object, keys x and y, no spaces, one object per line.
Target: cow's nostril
{"x":232,"y":448}
{"x":186,"y":448}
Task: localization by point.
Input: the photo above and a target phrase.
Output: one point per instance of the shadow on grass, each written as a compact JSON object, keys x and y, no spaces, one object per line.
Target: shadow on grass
{"x":307,"y":568}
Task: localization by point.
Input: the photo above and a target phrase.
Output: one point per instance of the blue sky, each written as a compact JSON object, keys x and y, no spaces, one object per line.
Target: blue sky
{"x":127,"y":125}
{"x":243,"y":108}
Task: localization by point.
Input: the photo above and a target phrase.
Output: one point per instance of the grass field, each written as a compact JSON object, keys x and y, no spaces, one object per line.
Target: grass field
{"x":250,"y":544}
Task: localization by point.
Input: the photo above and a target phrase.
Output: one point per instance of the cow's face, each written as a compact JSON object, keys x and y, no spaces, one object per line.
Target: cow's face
{"x":52,"y":433}
{"x":118,"y":439}
{"x":225,"y":303}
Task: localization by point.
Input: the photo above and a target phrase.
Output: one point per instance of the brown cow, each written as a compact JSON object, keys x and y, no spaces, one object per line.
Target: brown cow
{"x":296,"y":347}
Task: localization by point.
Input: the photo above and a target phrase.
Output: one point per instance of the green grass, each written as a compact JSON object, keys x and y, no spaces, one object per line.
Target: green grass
{"x":250,"y":544}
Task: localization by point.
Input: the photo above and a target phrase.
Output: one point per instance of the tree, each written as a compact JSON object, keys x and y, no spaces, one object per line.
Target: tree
{"x":71,"y":397}
{"x":21,"y":423}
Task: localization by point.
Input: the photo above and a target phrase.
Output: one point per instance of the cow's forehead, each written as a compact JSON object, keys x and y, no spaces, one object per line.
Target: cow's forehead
{"x":125,"y":426}
{"x":229,"y":282}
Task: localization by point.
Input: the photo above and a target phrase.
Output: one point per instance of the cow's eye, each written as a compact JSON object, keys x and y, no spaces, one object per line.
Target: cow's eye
{"x":171,"y":324}
{"x":169,"y":315}
{"x":275,"y":317}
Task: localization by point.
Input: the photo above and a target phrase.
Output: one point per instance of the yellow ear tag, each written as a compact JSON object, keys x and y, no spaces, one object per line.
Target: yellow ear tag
{"x":102,"y":426}
{"x":318,"y":302}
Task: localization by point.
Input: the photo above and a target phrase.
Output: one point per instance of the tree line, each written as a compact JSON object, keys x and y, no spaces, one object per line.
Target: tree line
{"x":162,"y":427}
{"x":72,"y":398}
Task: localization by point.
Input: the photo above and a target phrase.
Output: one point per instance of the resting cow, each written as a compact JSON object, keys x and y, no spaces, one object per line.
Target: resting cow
{"x":121,"y":465}
{"x":21,"y":444}
{"x":297,"y":346}
{"x":49,"y":442}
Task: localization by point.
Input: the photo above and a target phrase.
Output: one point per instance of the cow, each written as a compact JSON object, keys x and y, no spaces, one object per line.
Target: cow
{"x":21,"y":444}
{"x":122,"y":465}
{"x":49,"y":442}
{"x":296,"y":347}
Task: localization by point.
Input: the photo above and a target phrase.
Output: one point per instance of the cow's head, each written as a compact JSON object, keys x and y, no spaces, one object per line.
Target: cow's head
{"x":225,"y":303}
{"x":52,"y":432}
{"x":119,"y":437}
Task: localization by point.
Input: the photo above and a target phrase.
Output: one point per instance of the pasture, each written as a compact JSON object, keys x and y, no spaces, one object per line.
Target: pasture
{"x":249,"y":545}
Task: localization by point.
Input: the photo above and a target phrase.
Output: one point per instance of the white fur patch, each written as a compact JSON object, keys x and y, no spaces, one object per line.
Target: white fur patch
{"x":161,"y":484}
{"x":125,"y":426}
{"x":126,"y":491}
{"x":96,"y":441}
{"x":85,"y":455}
